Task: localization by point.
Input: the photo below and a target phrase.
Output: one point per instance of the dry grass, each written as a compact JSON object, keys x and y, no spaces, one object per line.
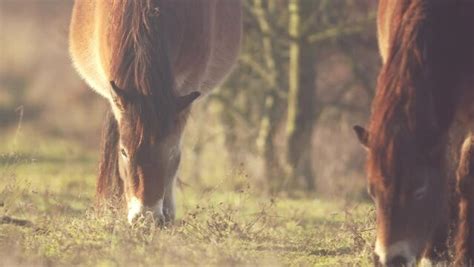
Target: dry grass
{"x":48,"y":218}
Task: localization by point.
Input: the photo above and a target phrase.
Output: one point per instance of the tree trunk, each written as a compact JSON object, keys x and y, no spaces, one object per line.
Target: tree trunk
{"x":274,"y":172}
{"x":300,"y":155}
{"x":301,"y":106}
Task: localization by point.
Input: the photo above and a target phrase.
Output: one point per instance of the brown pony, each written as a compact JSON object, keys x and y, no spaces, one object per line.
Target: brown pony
{"x":423,"y":109}
{"x":160,"y":56}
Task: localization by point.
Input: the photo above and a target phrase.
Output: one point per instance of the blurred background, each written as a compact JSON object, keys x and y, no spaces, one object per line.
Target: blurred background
{"x":281,"y":123}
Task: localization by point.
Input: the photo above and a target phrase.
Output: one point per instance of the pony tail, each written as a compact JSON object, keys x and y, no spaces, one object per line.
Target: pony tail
{"x":109,"y":183}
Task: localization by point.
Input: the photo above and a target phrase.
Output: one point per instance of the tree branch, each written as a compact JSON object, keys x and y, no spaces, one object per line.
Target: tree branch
{"x":340,"y":30}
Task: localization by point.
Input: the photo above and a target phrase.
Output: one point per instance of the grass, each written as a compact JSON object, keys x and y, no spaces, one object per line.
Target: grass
{"x":47,"y":217}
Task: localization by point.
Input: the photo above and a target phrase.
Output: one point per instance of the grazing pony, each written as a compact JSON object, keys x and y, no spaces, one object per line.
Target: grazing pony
{"x":422,"y":112}
{"x":150,"y":59}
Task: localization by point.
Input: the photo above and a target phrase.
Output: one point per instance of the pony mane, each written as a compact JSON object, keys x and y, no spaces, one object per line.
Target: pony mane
{"x":108,"y":182}
{"x":403,"y":118}
{"x":140,"y":63}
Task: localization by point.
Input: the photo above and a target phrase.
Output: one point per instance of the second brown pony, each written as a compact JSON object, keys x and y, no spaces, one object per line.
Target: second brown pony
{"x":161,"y":55}
{"x":422,"y":112}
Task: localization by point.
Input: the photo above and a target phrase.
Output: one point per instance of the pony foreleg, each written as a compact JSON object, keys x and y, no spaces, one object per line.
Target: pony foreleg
{"x":169,"y":205}
{"x":437,"y":250}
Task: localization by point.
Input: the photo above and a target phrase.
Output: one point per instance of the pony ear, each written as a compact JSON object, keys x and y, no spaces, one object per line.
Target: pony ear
{"x":362,"y":135}
{"x":185,"y":101}
{"x":119,"y":96}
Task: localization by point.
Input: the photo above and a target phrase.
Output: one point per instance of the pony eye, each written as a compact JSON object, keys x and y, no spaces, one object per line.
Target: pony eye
{"x":123,"y":152}
{"x":420,"y":192}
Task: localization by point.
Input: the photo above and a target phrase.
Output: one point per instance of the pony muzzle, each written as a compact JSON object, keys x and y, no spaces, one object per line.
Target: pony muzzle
{"x":136,"y":210}
{"x":397,"y":254}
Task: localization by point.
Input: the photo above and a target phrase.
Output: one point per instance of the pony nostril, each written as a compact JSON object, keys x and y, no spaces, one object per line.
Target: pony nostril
{"x":397,"y":261}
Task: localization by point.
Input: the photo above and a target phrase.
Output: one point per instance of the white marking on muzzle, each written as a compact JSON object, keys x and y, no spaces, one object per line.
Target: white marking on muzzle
{"x":399,"y":249}
{"x":425,"y":262}
{"x":136,"y":208}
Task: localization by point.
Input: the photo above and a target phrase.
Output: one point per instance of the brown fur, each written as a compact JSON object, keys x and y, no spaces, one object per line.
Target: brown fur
{"x":139,"y":57}
{"x":424,"y":88}
{"x":139,"y":64}
{"x":402,"y":87}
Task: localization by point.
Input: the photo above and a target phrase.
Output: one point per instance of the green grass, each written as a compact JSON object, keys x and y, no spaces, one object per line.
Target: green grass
{"x":49,"y":218}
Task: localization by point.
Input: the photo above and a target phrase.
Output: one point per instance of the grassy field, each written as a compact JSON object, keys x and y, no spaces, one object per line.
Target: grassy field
{"x":47,"y":217}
